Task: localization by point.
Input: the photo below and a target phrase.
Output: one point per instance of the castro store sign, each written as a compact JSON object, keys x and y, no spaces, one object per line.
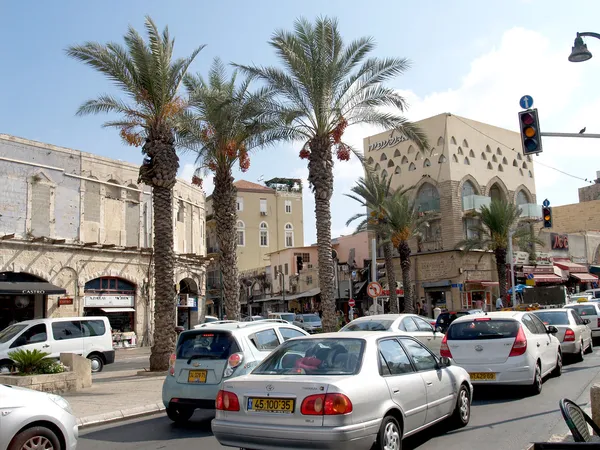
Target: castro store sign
{"x":100,"y":301}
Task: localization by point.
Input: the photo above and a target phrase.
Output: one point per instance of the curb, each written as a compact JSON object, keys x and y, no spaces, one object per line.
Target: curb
{"x":117,"y":416}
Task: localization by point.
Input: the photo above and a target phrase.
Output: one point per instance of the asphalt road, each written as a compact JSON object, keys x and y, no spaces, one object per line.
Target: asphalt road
{"x":134,"y":362}
{"x":501,"y":419}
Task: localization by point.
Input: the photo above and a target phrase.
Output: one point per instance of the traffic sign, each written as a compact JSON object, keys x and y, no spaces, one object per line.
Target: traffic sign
{"x":546,"y":203}
{"x":530,"y":276}
{"x":374,"y":289}
{"x":351,"y":303}
{"x":526,"y":102}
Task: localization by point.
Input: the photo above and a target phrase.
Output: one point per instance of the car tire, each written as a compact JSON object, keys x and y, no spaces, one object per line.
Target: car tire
{"x":179,"y":415}
{"x":590,"y":348}
{"x":97,"y":363}
{"x":462,"y":411}
{"x":579,"y":356}
{"x":536,"y":386}
{"x":35,"y":437}
{"x":389,"y":436}
{"x":557,"y":372}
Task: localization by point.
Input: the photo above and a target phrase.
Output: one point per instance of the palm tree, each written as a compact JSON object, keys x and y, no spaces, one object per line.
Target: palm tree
{"x":149,"y":76}
{"x":225,"y":123}
{"x":371,"y":192}
{"x":326,"y":85}
{"x":404,"y":223}
{"x":492,"y":234}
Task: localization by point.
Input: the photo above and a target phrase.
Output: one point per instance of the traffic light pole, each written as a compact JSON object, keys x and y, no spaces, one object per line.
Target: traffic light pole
{"x":571,"y":135}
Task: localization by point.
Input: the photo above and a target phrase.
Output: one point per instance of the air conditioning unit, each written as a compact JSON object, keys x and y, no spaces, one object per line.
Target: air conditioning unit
{"x":263,"y":213}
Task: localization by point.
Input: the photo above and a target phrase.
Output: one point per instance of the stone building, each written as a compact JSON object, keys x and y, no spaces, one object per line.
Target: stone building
{"x":76,"y":239}
{"x":592,"y":192}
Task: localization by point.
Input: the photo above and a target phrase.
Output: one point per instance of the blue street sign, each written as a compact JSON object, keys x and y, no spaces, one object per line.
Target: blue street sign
{"x":526,"y":102}
{"x":546,"y":203}
{"x":530,"y":276}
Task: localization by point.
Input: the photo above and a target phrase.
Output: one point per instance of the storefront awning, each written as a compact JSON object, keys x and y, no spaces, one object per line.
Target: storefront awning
{"x":117,"y":310}
{"x":482,"y":282}
{"x":547,"y":278}
{"x":30,"y":288}
{"x":571,"y":266}
{"x":595,"y":269}
{"x":585,"y":277}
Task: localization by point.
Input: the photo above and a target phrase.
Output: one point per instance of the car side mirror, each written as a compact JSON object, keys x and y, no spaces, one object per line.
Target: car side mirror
{"x":445,"y":362}
{"x":439,"y":329}
{"x":551,"y":329}
{"x":585,"y":321}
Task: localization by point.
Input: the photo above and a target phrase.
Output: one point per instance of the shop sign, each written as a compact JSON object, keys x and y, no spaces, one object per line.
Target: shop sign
{"x":65,"y":301}
{"x":387,"y":292}
{"x":520,"y":258}
{"x":543,"y":259}
{"x":387,"y":142}
{"x":185,"y":301}
{"x":559,"y":241}
{"x":579,"y":259}
{"x":539,"y":270}
{"x":102,"y":301}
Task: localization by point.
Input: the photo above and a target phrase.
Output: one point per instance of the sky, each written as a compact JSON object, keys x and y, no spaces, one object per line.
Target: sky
{"x":468,"y":58}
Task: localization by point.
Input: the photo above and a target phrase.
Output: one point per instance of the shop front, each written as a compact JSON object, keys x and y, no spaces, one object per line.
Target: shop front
{"x":187,"y":305}
{"x":478,"y":294}
{"x":24,"y":297}
{"x":576,"y":275}
{"x":114,"y":298}
{"x":438,"y":294}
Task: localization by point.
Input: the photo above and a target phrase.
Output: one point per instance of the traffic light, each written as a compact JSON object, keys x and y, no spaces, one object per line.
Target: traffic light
{"x":299,"y":263}
{"x":380,"y":270}
{"x":547,"y":216}
{"x":529,"y":125}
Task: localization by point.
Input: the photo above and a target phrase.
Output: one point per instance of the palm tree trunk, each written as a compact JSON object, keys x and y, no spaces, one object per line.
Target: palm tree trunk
{"x":501,"y":268}
{"x":409,"y":301}
{"x":390,"y":274}
{"x":320,"y":177}
{"x":224,"y":196}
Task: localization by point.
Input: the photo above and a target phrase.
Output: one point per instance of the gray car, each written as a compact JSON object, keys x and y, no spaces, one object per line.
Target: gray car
{"x":309,"y":322}
{"x":574,"y":334}
{"x":311,"y":393}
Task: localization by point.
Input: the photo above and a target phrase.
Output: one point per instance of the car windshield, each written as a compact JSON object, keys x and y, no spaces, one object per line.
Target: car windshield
{"x":330,"y":356}
{"x":479,"y":329}
{"x":585,"y":310}
{"x":368,"y":325}
{"x":8,"y":333}
{"x":203,"y":344}
{"x":288,"y":317}
{"x":553,"y":317}
{"x":311,"y":318}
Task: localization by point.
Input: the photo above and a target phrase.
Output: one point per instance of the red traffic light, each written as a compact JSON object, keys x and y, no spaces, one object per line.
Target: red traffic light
{"x":527,"y":118}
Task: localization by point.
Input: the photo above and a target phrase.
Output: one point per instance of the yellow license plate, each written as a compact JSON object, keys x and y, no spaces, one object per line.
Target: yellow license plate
{"x":197,"y":376}
{"x":272,"y":405}
{"x":484,"y":376}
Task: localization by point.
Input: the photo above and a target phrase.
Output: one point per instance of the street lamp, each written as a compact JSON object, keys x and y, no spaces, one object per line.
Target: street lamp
{"x":580,"y":52}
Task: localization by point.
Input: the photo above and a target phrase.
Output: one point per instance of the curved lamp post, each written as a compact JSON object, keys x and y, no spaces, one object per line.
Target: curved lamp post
{"x":580,"y":52}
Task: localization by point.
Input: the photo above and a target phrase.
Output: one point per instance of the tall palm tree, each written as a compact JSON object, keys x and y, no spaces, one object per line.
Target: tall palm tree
{"x":404,"y":222}
{"x":492,"y":233}
{"x":226,"y":121}
{"x":149,"y":76}
{"x":371,"y":192}
{"x":326,"y":85}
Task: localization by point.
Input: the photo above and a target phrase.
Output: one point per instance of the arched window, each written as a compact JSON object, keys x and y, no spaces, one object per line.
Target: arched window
{"x":397,"y":154}
{"x":411,"y":149}
{"x":465,"y":143}
{"x":418,"y":156}
{"x":412,"y":167}
{"x":180,"y":211}
{"x":519,"y":157}
{"x":111,"y":191}
{"x":442,"y":159}
{"x":440,"y":141}
{"x":289,"y":235}
{"x":377,"y":167}
{"x":241,"y":233}
{"x":460,"y":151}
{"x":404,"y":159}
{"x":454,"y":158}
{"x":370,"y":160}
{"x":500,"y":168}
{"x":522,"y":198}
{"x":488,"y":149}
{"x":515,"y":163}
{"x":530,"y":174}
{"x":496,"y":193}
{"x":132,"y":195}
{"x":468,"y":189}
{"x":263,"y":234}
{"x":471,"y":154}
{"x":498,"y":151}
{"x":383,"y":157}
{"x":524,"y":165}
{"x":398,"y":170}
{"x":467,"y":162}
{"x":390,"y":163}
{"x":483,"y":156}
{"x":112,"y":284}
{"x":489,"y":166}
{"x":428,"y":198}
{"x":426,"y":163}
{"x":504,"y":161}
{"x":453,"y":140}
{"x":384,"y":174}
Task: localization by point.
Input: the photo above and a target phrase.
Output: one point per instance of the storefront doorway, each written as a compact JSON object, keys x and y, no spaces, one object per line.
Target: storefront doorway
{"x":188,"y":302}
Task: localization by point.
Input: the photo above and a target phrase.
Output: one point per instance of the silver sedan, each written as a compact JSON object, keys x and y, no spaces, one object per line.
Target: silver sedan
{"x":310,"y":393}
{"x":574,"y":334}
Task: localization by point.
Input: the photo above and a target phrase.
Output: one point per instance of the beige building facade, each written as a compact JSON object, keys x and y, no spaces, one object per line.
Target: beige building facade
{"x":79,"y":227}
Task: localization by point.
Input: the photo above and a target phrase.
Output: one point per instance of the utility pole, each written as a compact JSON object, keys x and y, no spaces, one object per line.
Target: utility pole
{"x":374,"y":269}
{"x":512,"y":266}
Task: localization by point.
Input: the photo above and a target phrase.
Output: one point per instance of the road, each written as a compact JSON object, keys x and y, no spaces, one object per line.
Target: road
{"x":500,"y":419}
{"x":136,"y":359}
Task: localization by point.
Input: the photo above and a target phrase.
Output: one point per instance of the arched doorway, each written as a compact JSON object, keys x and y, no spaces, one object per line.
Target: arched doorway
{"x":24,"y":297}
{"x":187,"y":303}
{"x":113,"y":298}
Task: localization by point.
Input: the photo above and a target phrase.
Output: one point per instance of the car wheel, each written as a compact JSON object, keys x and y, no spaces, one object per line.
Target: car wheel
{"x":557,"y":372}
{"x":97,"y":363}
{"x":390,"y":435}
{"x":34,"y":438}
{"x":179,"y":414}
{"x":462,"y":411}
{"x":536,"y":387}
{"x":579,"y":355}
{"x":590,"y":348}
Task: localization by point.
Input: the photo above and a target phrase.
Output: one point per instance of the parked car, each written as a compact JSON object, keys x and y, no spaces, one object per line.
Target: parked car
{"x":252,"y":318}
{"x":314,"y":388}
{"x":209,"y":319}
{"x":447,"y":317}
{"x":36,"y":420}
{"x":206,"y":356}
{"x":287,"y":316}
{"x":590,"y":311}
{"x":508,"y":347}
{"x":87,"y":336}
{"x":309,"y":322}
{"x":409,"y":324}
{"x":574,"y":335}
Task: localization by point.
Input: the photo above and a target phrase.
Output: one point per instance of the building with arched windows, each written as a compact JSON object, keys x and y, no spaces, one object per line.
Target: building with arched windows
{"x":76,"y":239}
{"x":467,"y":164}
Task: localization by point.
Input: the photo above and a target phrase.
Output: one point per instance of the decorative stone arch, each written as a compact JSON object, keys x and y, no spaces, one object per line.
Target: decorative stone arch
{"x":116,"y":178}
{"x":422,"y":181}
{"x":498,"y":181}
{"x":525,"y":189}
{"x":473,"y":181}
{"x":112,"y":273}
{"x":45,"y":275}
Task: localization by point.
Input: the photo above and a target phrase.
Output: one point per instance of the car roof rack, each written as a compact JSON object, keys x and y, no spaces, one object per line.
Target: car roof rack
{"x":258,"y":322}
{"x":216,"y":322}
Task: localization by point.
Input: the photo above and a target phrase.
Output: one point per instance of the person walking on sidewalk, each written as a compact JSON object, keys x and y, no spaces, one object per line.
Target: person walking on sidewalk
{"x":499,"y":304}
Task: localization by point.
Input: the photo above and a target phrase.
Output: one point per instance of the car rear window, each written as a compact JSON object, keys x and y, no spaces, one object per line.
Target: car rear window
{"x":368,"y":325}
{"x":331,"y":356}
{"x":479,"y":329}
{"x":553,"y":317}
{"x":206,"y":345}
{"x":585,"y":310}
{"x":311,"y":318}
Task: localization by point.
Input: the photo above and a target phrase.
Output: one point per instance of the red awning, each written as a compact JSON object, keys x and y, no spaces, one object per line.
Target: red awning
{"x":571,"y":266}
{"x":547,"y":278}
{"x":585,"y":277}
{"x":477,"y":281}
{"x":490,"y":283}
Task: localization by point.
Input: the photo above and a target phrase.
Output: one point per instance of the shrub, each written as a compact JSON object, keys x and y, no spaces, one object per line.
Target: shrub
{"x":34,"y":362}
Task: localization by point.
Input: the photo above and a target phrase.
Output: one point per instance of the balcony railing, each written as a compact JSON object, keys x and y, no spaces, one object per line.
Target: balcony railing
{"x":431,"y":205}
{"x":475,"y":202}
{"x":530,"y":211}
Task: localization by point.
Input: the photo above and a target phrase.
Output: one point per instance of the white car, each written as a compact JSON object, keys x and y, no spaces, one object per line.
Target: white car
{"x":508,"y":347}
{"x":35,"y":420}
{"x":590,"y":311}
{"x":213,"y":352}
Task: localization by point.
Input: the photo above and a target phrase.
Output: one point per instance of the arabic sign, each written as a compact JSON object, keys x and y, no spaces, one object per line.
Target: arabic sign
{"x":388,"y":142}
{"x":101,"y":301}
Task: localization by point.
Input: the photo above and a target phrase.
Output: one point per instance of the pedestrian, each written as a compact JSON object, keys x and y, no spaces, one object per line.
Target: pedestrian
{"x":419,"y":309}
{"x":499,"y":304}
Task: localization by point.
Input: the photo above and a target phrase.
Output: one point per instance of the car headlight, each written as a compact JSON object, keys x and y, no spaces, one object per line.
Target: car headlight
{"x":60,"y":401}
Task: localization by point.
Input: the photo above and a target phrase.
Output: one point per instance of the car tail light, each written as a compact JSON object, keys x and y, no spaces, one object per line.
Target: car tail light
{"x":227,"y":401}
{"x":482,"y":319}
{"x":520,"y":345}
{"x":172,"y":360}
{"x":326,"y":405}
{"x":569,"y":335}
{"x":233,"y":362}
{"x":444,"y":349}
{"x":598,"y":323}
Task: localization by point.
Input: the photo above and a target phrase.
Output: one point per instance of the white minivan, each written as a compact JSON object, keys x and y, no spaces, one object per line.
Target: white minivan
{"x":87,"y":336}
